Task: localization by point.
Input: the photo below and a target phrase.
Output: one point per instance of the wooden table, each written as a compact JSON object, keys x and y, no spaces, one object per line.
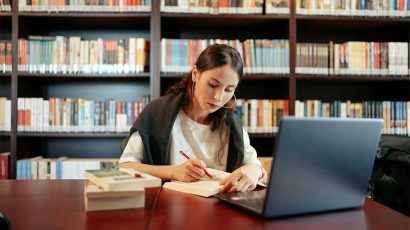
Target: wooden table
{"x":60,"y":205}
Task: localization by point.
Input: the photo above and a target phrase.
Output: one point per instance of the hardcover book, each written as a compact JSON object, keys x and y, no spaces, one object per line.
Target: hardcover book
{"x":121,"y":179}
{"x":97,"y":199}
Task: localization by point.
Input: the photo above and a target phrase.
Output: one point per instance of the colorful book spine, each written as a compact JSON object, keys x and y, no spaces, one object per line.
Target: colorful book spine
{"x":75,"y":115}
{"x":4,"y":165}
{"x":260,"y":55}
{"x":84,"y":6}
{"x":367,"y":8}
{"x":5,"y":114}
{"x":213,"y":7}
{"x":261,"y":116}
{"x":5,"y":56}
{"x":39,"y":168}
{"x":5,"y":6}
{"x":353,"y":58}
{"x":72,"y":55}
{"x":395,"y":114}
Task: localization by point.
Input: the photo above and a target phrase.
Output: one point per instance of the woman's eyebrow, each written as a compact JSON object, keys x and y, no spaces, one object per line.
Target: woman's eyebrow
{"x":221,"y":82}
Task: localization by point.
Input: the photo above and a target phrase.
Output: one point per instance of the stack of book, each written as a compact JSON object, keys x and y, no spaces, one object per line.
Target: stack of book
{"x":116,"y":189}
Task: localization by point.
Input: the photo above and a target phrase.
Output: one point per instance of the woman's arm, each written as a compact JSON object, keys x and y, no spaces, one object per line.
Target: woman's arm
{"x":191,"y":170}
{"x":161,"y":171}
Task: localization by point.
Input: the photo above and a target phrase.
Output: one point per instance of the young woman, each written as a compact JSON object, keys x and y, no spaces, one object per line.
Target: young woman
{"x":195,"y":118}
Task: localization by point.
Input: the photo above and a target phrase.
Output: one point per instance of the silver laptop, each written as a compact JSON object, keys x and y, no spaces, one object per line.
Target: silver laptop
{"x":320,"y":164}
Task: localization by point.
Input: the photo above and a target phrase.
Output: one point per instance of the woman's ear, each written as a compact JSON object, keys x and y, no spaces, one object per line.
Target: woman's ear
{"x":195,"y":74}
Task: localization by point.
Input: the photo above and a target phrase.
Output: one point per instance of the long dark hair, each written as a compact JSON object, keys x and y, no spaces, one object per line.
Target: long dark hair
{"x":213,"y":56}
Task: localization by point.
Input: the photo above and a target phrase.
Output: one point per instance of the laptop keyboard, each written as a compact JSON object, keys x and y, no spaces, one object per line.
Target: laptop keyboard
{"x":253,"y":200}
{"x":255,"y":204}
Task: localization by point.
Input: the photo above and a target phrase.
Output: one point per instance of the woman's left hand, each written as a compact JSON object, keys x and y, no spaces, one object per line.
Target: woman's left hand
{"x":242,"y":179}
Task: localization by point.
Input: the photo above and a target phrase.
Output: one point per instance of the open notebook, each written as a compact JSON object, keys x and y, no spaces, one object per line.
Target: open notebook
{"x":205,"y":187}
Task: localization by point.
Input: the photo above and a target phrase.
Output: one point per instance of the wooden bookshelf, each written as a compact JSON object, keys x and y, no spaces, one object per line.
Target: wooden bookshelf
{"x":79,"y":77}
{"x":362,"y":78}
{"x":86,"y":15}
{"x":5,"y":14}
{"x":156,"y":25}
{"x":73,"y":134}
{"x":356,"y":19}
{"x":94,"y":86}
{"x":230,"y":17}
{"x":5,"y":75}
{"x":4,"y":134}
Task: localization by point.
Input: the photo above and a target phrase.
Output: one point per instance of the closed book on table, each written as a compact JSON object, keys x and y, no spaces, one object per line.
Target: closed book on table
{"x":97,"y":199}
{"x":121,"y":179}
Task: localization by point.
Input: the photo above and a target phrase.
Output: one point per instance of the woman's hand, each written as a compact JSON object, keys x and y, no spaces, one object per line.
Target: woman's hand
{"x":191,"y":170}
{"x":242,"y":179}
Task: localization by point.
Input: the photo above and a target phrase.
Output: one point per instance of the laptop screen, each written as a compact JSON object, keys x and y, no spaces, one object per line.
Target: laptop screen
{"x":321,"y":164}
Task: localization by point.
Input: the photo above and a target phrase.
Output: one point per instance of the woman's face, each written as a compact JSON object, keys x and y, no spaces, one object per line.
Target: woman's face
{"x":214,"y":87}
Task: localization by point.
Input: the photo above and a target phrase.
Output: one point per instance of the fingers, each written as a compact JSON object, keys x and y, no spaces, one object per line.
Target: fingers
{"x":198,"y":167}
{"x":199,"y":163}
{"x":229,"y":183}
{"x":188,"y":178}
{"x":194,"y":172}
{"x":226,"y":179}
{"x":237,"y":182}
{"x":195,"y":169}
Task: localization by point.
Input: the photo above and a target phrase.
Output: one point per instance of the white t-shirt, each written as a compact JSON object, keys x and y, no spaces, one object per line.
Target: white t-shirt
{"x":196,"y":140}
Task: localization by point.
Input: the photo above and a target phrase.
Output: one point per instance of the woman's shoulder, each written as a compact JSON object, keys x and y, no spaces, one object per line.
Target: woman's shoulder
{"x":164,"y":101}
{"x":165,"y":106}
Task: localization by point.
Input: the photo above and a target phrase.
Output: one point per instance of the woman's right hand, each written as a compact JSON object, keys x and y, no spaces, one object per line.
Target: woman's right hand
{"x":191,"y":170}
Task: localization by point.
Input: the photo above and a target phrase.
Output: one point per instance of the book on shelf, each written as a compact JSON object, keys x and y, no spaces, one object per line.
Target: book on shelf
{"x":369,"y":8}
{"x":92,"y":6}
{"x":259,"y":55}
{"x":205,"y":187}
{"x":213,"y":7}
{"x":4,"y":165}
{"x":5,"y":114}
{"x":353,"y":58}
{"x":77,"y":115}
{"x":39,"y":168}
{"x":277,"y":7}
{"x":5,"y":56}
{"x":261,"y":115}
{"x":121,"y":179}
{"x":98,"y":199}
{"x":5,"y":6}
{"x":395,"y":114}
{"x":73,"y":55}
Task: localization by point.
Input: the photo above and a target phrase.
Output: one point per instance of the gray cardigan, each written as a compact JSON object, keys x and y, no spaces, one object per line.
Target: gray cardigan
{"x":155,"y":123}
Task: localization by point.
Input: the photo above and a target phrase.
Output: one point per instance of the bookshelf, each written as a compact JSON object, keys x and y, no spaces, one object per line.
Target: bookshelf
{"x":156,"y":25}
{"x":5,"y":76}
{"x":97,"y":86}
{"x":340,"y":29}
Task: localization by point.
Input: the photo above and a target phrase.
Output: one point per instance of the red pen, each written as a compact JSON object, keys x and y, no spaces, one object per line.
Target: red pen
{"x":137,"y":175}
{"x":187,"y":157}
